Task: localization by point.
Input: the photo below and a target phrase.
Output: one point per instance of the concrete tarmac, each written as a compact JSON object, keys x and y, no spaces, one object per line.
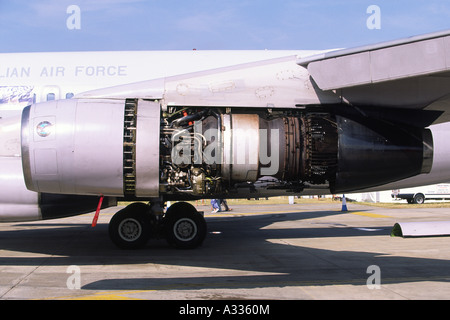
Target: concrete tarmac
{"x":302,"y":251}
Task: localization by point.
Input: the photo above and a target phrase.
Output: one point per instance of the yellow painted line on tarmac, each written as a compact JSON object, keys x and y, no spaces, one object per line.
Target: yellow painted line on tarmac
{"x":368,"y":214}
{"x":105,"y":297}
{"x":119,"y":295}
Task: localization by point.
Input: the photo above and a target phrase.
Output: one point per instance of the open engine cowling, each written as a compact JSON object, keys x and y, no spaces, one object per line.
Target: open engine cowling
{"x":133,"y":149}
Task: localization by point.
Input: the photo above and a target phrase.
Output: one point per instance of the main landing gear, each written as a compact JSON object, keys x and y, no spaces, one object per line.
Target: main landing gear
{"x":182,"y":225}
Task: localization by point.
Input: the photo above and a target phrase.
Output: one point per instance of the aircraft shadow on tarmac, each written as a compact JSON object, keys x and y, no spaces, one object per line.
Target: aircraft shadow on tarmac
{"x":233,"y":243}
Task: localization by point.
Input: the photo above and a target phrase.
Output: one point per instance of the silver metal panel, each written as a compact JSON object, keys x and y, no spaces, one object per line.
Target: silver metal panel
{"x":408,"y":60}
{"x":98,"y":145}
{"x":79,"y":151}
{"x":342,"y":72}
{"x":46,"y":162}
{"x":240,"y":147}
{"x":147,"y":149}
{"x":447,"y":50}
{"x":245,"y":147}
{"x":343,"y":52}
{"x":38,"y":140}
{"x":396,"y":60}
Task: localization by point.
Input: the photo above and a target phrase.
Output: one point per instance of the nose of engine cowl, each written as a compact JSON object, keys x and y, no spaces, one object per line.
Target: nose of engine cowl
{"x":73,"y":145}
{"x":92,"y":147}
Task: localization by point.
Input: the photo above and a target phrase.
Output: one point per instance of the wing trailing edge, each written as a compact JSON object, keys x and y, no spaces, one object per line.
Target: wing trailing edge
{"x":394,"y":60}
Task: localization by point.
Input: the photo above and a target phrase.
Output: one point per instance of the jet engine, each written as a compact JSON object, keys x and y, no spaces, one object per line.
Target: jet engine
{"x":138,"y":149}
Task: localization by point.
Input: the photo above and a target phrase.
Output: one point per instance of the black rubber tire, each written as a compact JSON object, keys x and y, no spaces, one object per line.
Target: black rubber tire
{"x":184,"y":227}
{"x":130,"y":228}
{"x":419,"y":198}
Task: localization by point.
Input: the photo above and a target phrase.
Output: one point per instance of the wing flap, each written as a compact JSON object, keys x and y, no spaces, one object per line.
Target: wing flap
{"x":402,"y":59}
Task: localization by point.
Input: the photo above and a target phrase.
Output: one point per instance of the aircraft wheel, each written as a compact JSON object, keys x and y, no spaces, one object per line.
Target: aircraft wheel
{"x":185,"y":228}
{"x":130,"y":228}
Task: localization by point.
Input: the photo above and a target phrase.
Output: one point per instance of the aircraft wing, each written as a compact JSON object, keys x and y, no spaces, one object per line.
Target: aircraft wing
{"x":401,"y":59}
{"x":409,"y":73}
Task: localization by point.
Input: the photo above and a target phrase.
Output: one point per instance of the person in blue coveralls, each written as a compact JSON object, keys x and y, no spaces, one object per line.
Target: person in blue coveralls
{"x":215,"y":206}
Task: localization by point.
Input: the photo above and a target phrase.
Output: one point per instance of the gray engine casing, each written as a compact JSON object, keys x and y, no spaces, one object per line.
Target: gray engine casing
{"x":92,"y":147}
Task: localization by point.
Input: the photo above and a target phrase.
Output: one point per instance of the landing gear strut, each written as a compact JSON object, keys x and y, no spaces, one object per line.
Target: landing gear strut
{"x":182,"y":226}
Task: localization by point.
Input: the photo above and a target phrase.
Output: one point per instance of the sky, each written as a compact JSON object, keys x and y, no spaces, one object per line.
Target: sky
{"x":113,"y":25}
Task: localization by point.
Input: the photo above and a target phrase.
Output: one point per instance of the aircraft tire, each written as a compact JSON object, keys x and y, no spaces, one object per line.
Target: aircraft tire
{"x":130,"y":228}
{"x":185,"y":228}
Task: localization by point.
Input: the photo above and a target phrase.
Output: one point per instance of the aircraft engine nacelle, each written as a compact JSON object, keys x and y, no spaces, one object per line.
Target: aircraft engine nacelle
{"x":91,"y":147}
{"x":135,"y":149}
